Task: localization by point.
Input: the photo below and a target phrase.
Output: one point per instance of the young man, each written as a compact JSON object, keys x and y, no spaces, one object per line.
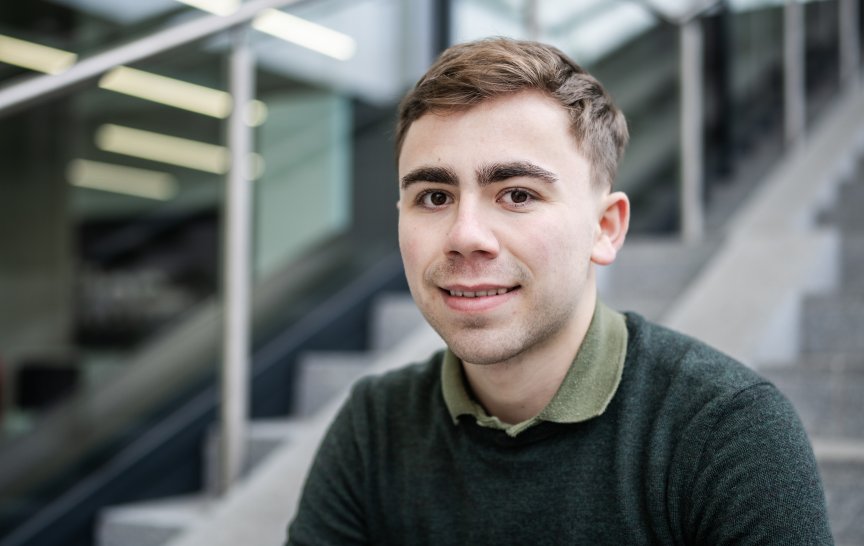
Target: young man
{"x":550,"y":419}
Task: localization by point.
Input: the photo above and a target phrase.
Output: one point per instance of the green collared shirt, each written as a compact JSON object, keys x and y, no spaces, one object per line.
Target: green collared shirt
{"x":584,"y":393}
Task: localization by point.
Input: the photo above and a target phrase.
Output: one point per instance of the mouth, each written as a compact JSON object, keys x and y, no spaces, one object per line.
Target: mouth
{"x":478,"y":292}
{"x":479,"y":298}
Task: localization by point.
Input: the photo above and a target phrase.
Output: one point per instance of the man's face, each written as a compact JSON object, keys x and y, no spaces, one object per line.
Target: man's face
{"x":498,"y":226}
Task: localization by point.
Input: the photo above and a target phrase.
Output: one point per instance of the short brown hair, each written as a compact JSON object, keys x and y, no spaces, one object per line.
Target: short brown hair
{"x":467,"y":74}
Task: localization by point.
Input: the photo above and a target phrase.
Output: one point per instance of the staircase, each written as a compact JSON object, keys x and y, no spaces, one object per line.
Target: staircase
{"x":398,"y":334}
{"x":826,"y":382}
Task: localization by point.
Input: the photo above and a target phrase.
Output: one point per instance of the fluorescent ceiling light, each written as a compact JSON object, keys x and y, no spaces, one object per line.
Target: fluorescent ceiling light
{"x":192,"y":154}
{"x":176,"y":93}
{"x":306,"y":33}
{"x":34,"y":56}
{"x":119,"y":179}
{"x":219,"y":7}
{"x":173,"y":150}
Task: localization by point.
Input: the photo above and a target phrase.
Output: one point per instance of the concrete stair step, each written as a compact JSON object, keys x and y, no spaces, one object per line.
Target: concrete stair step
{"x":852,"y":262}
{"x":264,"y":437}
{"x":393,"y":316}
{"x":841,"y":465}
{"x":833,"y":323}
{"x":158,"y":522}
{"x":321,"y":375}
{"x":650,"y":272}
{"x":829,"y":362}
{"x":152,"y":523}
{"x":846,"y":211}
{"x":829,"y":402}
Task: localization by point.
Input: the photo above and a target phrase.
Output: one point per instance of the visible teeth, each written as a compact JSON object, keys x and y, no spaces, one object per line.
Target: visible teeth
{"x":479,"y":293}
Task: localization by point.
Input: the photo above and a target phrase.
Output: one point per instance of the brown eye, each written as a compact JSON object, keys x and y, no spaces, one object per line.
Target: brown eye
{"x":519,"y":196}
{"x":434,"y":199}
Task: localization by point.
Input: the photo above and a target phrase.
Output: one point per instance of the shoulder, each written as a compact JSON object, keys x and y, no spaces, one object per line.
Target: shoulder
{"x":664,"y":359}
{"x":739,"y":461}
{"x":410,"y":388}
{"x":692,"y":390}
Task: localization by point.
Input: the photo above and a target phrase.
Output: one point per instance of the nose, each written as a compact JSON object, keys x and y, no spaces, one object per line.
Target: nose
{"x":471,"y":233}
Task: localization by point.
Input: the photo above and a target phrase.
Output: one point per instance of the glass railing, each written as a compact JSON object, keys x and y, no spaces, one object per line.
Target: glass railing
{"x":112,"y":198}
{"x":822,"y":56}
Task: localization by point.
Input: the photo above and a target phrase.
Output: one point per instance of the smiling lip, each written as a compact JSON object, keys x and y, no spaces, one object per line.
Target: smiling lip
{"x":479,"y":293}
{"x":477,"y":298}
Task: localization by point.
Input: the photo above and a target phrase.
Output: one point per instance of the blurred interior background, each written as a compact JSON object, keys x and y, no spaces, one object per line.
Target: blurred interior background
{"x":117,"y":153}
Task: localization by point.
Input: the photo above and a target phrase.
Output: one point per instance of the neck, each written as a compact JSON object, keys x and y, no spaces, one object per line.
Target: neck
{"x":519,"y":388}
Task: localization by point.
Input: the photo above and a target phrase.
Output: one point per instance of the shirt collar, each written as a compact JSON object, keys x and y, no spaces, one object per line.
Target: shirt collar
{"x":584,"y":393}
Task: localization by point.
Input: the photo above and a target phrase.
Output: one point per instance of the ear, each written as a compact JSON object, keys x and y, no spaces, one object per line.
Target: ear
{"x":614,"y":220}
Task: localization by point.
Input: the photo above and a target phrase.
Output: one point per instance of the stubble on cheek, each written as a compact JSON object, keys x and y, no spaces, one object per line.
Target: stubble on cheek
{"x":460,"y":271}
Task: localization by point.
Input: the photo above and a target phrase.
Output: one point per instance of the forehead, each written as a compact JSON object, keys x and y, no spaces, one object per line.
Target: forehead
{"x":528,"y":126}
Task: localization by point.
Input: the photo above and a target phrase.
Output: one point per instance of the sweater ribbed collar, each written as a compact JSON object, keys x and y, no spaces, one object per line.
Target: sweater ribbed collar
{"x":585,"y":392}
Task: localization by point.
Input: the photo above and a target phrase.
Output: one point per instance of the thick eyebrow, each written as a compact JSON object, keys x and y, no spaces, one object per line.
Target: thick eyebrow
{"x":499,"y":172}
{"x":487,"y":174}
{"x":439,"y":175}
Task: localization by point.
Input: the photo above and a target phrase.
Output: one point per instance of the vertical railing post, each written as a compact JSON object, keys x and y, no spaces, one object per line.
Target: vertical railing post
{"x":237,"y":265}
{"x":443,"y":21}
{"x":794,"y":90}
{"x":692,"y":168}
{"x":850,"y":44}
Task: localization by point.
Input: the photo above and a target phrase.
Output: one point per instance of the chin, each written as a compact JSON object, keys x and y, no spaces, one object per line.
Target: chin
{"x":482,"y":352}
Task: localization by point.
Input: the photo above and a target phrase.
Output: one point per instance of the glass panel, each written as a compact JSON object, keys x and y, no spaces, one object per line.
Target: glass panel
{"x":861,"y":35}
{"x":304,"y":195}
{"x":743,"y":100}
{"x":115,"y":202}
{"x":822,"y":55}
{"x":473,"y":19}
{"x":111,"y":213}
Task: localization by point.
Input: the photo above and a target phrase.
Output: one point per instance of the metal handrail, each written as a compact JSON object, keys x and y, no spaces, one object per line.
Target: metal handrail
{"x":238,"y":203}
{"x":237,"y":269}
{"x":42,"y":86}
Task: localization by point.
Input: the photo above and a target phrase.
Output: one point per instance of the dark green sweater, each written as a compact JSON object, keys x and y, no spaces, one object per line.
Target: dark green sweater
{"x":694,"y":448}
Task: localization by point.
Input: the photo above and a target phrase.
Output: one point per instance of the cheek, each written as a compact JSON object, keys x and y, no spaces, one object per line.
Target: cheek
{"x":541,"y":238}
{"x":561,"y":249}
{"x":411,"y":247}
